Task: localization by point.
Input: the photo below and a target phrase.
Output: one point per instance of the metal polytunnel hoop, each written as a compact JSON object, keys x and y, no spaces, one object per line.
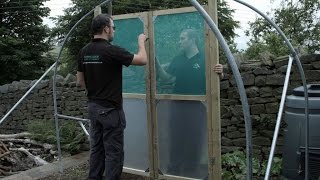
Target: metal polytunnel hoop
{"x":304,"y":82}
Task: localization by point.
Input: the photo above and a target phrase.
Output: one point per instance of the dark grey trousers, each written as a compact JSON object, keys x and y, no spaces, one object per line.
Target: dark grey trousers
{"x":106,"y":142}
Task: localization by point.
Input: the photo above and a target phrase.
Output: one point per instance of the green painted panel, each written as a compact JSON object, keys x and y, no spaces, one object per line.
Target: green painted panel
{"x":126,"y":36}
{"x":177,"y":38}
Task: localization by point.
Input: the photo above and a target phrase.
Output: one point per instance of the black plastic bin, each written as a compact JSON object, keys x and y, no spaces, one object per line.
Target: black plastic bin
{"x":294,"y":137}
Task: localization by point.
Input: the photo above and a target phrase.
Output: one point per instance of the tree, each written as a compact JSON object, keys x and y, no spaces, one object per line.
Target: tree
{"x":82,"y":35}
{"x":23,"y":40}
{"x":298,"y":19}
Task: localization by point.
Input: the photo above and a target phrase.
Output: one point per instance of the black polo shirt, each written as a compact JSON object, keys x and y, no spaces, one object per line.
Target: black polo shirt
{"x":101,"y":63}
{"x":189,"y":73}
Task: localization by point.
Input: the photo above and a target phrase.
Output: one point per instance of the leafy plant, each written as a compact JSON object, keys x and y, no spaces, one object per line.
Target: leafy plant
{"x":71,"y":137}
{"x":234,"y":166}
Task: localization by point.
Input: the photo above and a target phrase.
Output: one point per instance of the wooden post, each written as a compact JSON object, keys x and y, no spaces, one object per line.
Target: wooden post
{"x":97,"y":11}
{"x":110,"y":8}
{"x":151,"y":102}
{"x":213,"y":97}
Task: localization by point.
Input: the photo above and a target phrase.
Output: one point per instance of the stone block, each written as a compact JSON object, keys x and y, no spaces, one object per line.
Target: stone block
{"x":283,"y":69}
{"x":13,"y":87}
{"x":234,"y":134}
{"x":239,"y":142}
{"x":260,"y":80}
{"x":228,"y":102}
{"x":4,"y":89}
{"x":305,"y":59}
{"x":248,"y":79}
{"x":224,"y":85}
{"x":272,"y":108}
{"x":268,"y":118}
{"x":233,"y":93}
{"x":266,"y":133}
{"x":257,"y":108}
{"x":237,"y":110}
{"x":275,"y":79}
{"x":259,"y":100}
{"x":231,"y":128}
{"x":316,"y":65}
{"x":262,"y":71}
{"x":69,"y":78}
{"x":230,"y":149}
{"x":312,"y":75}
{"x":266,"y":91}
{"x":261,"y":141}
{"x":226,"y":141}
{"x":225,"y":112}
{"x":252,"y":91}
{"x":281,"y":61}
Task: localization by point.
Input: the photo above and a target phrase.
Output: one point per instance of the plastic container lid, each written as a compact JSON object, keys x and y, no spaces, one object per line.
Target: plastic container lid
{"x":313,"y":90}
{"x":297,"y":99}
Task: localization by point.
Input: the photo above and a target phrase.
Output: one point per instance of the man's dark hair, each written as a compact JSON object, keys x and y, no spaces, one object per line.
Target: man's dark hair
{"x":100,"y":22}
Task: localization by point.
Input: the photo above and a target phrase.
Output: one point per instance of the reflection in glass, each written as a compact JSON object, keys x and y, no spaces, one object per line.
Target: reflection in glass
{"x":182,"y":138}
{"x":180,"y":54}
{"x":136,"y":155}
{"x":133,"y":76}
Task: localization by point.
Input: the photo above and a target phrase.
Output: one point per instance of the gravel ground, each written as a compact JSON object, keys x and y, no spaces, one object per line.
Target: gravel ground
{"x":81,"y":173}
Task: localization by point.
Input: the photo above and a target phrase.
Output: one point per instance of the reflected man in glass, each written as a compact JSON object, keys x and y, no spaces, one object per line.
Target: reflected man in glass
{"x":187,"y":123}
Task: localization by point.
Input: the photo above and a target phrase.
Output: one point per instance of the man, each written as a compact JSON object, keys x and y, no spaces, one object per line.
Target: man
{"x":187,"y":70}
{"x":100,"y":72}
{"x":187,"y":120}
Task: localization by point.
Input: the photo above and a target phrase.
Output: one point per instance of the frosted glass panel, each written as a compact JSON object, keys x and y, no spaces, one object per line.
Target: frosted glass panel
{"x":183,"y":138}
{"x":136,"y":134}
{"x":126,"y":36}
{"x":180,"y":54}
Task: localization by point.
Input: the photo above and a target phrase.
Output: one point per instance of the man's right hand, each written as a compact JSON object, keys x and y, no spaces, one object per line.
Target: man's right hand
{"x":142,"y":38}
{"x":141,"y":57}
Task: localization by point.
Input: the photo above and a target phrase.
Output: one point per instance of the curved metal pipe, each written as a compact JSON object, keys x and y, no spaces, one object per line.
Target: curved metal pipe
{"x":54,"y":81}
{"x":304,"y":82}
{"x":239,"y":82}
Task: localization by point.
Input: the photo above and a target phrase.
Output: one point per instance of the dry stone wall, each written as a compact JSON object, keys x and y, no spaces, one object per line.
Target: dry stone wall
{"x":263,"y":81}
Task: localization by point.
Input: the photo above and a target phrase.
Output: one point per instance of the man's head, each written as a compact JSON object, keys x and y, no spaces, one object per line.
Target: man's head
{"x":188,"y":39}
{"x":102,"y":25}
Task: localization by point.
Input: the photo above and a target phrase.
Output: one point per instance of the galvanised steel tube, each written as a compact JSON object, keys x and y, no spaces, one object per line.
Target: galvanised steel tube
{"x":80,"y":121}
{"x":27,"y":93}
{"x":239,"y":82}
{"x":54,"y":81}
{"x":304,"y":82}
{"x":84,"y":129}
{"x":278,"y":122}
{"x":73,"y":118}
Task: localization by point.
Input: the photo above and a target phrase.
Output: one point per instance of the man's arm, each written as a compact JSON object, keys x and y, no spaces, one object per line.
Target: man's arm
{"x":80,"y":79}
{"x":161,"y":73}
{"x":140,"y":58}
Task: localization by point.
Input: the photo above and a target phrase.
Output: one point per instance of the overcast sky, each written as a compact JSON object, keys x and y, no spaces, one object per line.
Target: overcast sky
{"x":242,"y":14}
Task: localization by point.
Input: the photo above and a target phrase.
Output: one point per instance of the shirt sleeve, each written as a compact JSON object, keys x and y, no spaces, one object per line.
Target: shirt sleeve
{"x":80,"y":62}
{"x":119,"y":55}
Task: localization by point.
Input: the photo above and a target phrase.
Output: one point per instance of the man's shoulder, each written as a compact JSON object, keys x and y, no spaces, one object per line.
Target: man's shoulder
{"x":113,"y":47}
